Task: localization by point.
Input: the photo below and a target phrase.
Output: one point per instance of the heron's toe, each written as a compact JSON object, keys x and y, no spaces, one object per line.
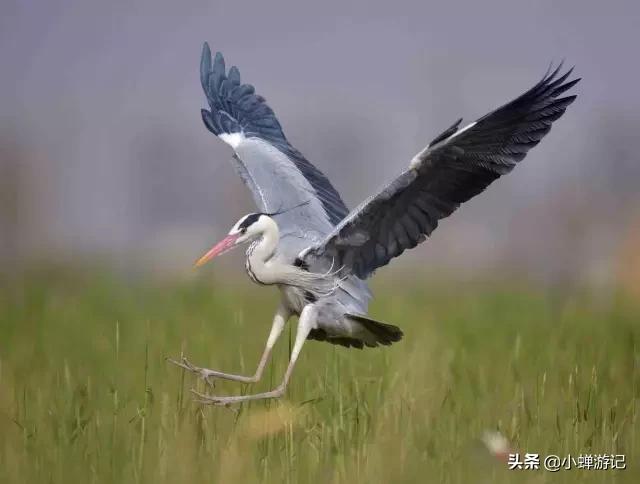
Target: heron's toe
{"x":208,"y":377}
{"x":207,"y":399}
{"x":183,"y":363}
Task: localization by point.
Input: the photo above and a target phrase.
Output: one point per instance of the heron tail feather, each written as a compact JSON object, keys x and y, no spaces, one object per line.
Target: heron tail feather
{"x":383,"y":333}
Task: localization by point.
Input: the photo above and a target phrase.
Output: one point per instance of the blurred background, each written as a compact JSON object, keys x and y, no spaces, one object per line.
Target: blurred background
{"x":520,"y":313}
{"x":103,"y":152}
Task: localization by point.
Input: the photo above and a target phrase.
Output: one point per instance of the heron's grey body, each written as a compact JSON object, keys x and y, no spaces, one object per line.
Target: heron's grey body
{"x":304,"y":239}
{"x":277,"y":184}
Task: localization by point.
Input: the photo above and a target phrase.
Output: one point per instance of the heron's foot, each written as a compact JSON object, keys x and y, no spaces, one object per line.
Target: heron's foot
{"x":204,"y":373}
{"x":206,"y":399}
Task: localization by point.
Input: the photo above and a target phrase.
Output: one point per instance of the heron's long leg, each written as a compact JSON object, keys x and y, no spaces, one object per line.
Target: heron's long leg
{"x":307,"y":323}
{"x":279,"y":320}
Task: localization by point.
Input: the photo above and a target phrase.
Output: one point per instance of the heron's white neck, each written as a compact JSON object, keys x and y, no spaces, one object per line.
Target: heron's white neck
{"x":260,"y":254}
{"x":264,"y":268}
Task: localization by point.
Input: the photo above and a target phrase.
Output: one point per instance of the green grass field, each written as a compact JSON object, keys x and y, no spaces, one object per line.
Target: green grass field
{"x":86,"y":396}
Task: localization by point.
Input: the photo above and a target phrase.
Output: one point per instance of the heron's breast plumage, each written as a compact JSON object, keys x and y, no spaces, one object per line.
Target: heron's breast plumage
{"x":250,"y":272}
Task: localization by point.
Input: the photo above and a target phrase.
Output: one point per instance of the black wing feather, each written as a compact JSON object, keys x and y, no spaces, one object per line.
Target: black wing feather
{"x":455,"y":167}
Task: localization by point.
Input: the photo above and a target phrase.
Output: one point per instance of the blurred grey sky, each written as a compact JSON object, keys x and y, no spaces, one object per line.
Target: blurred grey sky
{"x":103,"y":149}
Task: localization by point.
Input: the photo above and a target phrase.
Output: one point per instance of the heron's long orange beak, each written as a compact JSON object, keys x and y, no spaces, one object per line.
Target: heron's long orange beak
{"x":220,"y":248}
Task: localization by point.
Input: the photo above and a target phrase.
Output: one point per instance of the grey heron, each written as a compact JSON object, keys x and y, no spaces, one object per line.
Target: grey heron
{"x":319,"y":254}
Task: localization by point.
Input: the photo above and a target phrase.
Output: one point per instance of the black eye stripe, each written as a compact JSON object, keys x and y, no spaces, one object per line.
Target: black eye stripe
{"x":249,"y":220}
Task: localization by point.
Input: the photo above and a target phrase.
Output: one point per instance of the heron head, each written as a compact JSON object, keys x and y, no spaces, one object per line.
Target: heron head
{"x":247,"y":229}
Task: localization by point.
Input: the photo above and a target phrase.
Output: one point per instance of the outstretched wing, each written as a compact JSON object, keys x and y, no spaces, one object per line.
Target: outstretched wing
{"x":455,"y":167}
{"x":279,"y":177}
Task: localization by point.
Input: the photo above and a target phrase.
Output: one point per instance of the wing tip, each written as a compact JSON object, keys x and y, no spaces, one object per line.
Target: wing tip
{"x":210,"y":65}
{"x":235,"y":107}
{"x":554,"y":75}
{"x":218,"y":60}
{"x":206,"y":50}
